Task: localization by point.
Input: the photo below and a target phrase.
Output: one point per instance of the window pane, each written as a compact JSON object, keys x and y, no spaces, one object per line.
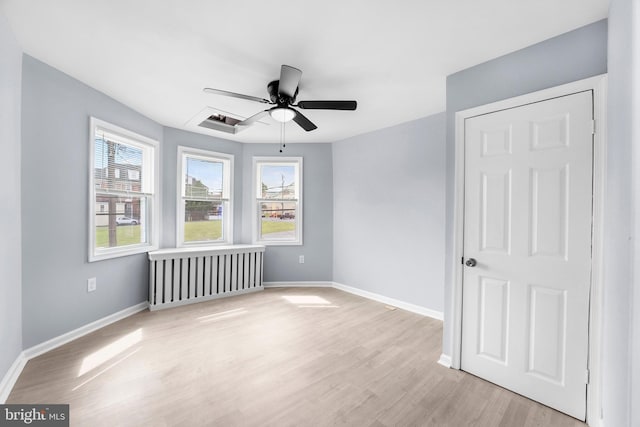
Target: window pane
{"x":117,"y":166}
{"x":278,"y":182}
{"x":202,"y":220}
{"x":203,"y":179}
{"x":278,"y":220}
{"x":120,"y":221}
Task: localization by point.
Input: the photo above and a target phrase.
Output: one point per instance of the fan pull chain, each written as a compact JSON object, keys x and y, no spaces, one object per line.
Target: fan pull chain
{"x":282,"y":144}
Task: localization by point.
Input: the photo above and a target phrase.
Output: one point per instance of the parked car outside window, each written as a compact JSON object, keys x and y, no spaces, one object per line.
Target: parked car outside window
{"x":125,"y":220}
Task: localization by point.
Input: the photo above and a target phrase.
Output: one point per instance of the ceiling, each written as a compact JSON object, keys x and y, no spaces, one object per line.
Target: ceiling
{"x":156,"y":56}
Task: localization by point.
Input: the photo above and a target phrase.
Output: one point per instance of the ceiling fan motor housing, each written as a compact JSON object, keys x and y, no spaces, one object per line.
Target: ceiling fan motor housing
{"x":279,"y":98}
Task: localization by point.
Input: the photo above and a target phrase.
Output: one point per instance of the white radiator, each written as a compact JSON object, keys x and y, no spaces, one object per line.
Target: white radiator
{"x":188,"y":275}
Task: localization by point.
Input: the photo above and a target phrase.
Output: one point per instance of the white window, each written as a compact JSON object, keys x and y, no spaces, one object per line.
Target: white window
{"x":123,"y":216}
{"x":205,"y":186}
{"x":278,"y":200}
{"x":133,"y":175}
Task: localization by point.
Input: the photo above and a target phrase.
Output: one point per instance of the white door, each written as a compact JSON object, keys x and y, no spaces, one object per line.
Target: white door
{"x":527,"y":226}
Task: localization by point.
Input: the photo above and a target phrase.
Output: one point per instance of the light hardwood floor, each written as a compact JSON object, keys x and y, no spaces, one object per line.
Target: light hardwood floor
{"x":281,"y":357}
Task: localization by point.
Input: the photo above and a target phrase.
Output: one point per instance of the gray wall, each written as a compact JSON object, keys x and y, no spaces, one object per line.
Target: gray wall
{"x":633,"y":20}
{"x":10,"y":242}
{"x":566,"y":58}
{"x":169,"y":175}
{"x":281,"y":262}
{"x":620,"y":359}
{"x":55,"y":159}
{"x":389,"y":207}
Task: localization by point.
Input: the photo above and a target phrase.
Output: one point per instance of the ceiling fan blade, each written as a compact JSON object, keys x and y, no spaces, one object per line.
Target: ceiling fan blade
{"x":304,"y":123}
{"x":289,"y":79}
{"x":235,"y":95}
{"x":251,"y":120}
{"x":328,"y":105}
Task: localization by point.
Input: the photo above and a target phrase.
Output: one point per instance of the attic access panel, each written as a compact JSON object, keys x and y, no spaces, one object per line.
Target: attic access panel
{"x":220,"y":122}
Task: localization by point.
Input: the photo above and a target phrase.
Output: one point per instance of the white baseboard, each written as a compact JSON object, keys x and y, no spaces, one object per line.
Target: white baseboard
{"x":445,"y":361}
{"x":297,"y":284}
{"x":10,"y":378}
{"x":56,"y":342}
{"x":438,"y":315}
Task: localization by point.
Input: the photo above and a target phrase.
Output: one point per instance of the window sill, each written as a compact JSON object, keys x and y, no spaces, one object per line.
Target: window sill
{"x":116,"y":253}
{"x":204,"y":243}
{"x":202,"y":251}
{"x":277,"y":243}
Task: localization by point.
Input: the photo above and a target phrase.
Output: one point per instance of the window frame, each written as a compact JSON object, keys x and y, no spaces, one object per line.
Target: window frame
{"x":256,"y":201}
{"x":153,"y":156}
{"x":227,"y":220}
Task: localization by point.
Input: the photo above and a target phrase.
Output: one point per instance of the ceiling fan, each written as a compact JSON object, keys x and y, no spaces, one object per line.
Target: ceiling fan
{"x":282,"y":94}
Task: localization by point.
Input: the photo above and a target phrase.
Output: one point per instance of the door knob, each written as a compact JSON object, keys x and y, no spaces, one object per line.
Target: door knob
{"x":471,"y":262}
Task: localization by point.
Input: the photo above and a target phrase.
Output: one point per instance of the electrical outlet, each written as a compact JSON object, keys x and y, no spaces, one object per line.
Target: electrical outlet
{"x":301,"y":259}
{"x":91,"y":284}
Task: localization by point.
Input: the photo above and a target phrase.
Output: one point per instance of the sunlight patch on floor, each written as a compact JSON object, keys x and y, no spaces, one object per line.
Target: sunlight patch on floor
{"x":106,"y":369}
{"x":109,"y":351}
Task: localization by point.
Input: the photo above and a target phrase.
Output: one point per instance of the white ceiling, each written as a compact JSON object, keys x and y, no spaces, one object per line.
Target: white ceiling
{"x":392,"y":57}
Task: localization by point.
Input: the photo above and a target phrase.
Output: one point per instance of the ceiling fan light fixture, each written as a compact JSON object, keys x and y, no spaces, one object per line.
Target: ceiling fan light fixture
{"x":282,"y":115}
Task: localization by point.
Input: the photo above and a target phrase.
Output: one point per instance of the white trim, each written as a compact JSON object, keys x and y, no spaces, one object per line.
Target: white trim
{"x":56,"y":342}
{"x":458,"y":243}
{"x":227,"y":225}
{"x":297,"y":284}
{"x":598,"y":84}
{"x":154,"y":236}
{"x":438,"y":315}
{"x":170,"y":253}
{"x":594,"y":388}
{"x":255,"y":221}
{"x":445,"y":361}
{"x":10,"y":378}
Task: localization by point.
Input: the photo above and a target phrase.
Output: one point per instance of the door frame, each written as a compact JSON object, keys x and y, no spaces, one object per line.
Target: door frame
{"x":599,"y":86}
